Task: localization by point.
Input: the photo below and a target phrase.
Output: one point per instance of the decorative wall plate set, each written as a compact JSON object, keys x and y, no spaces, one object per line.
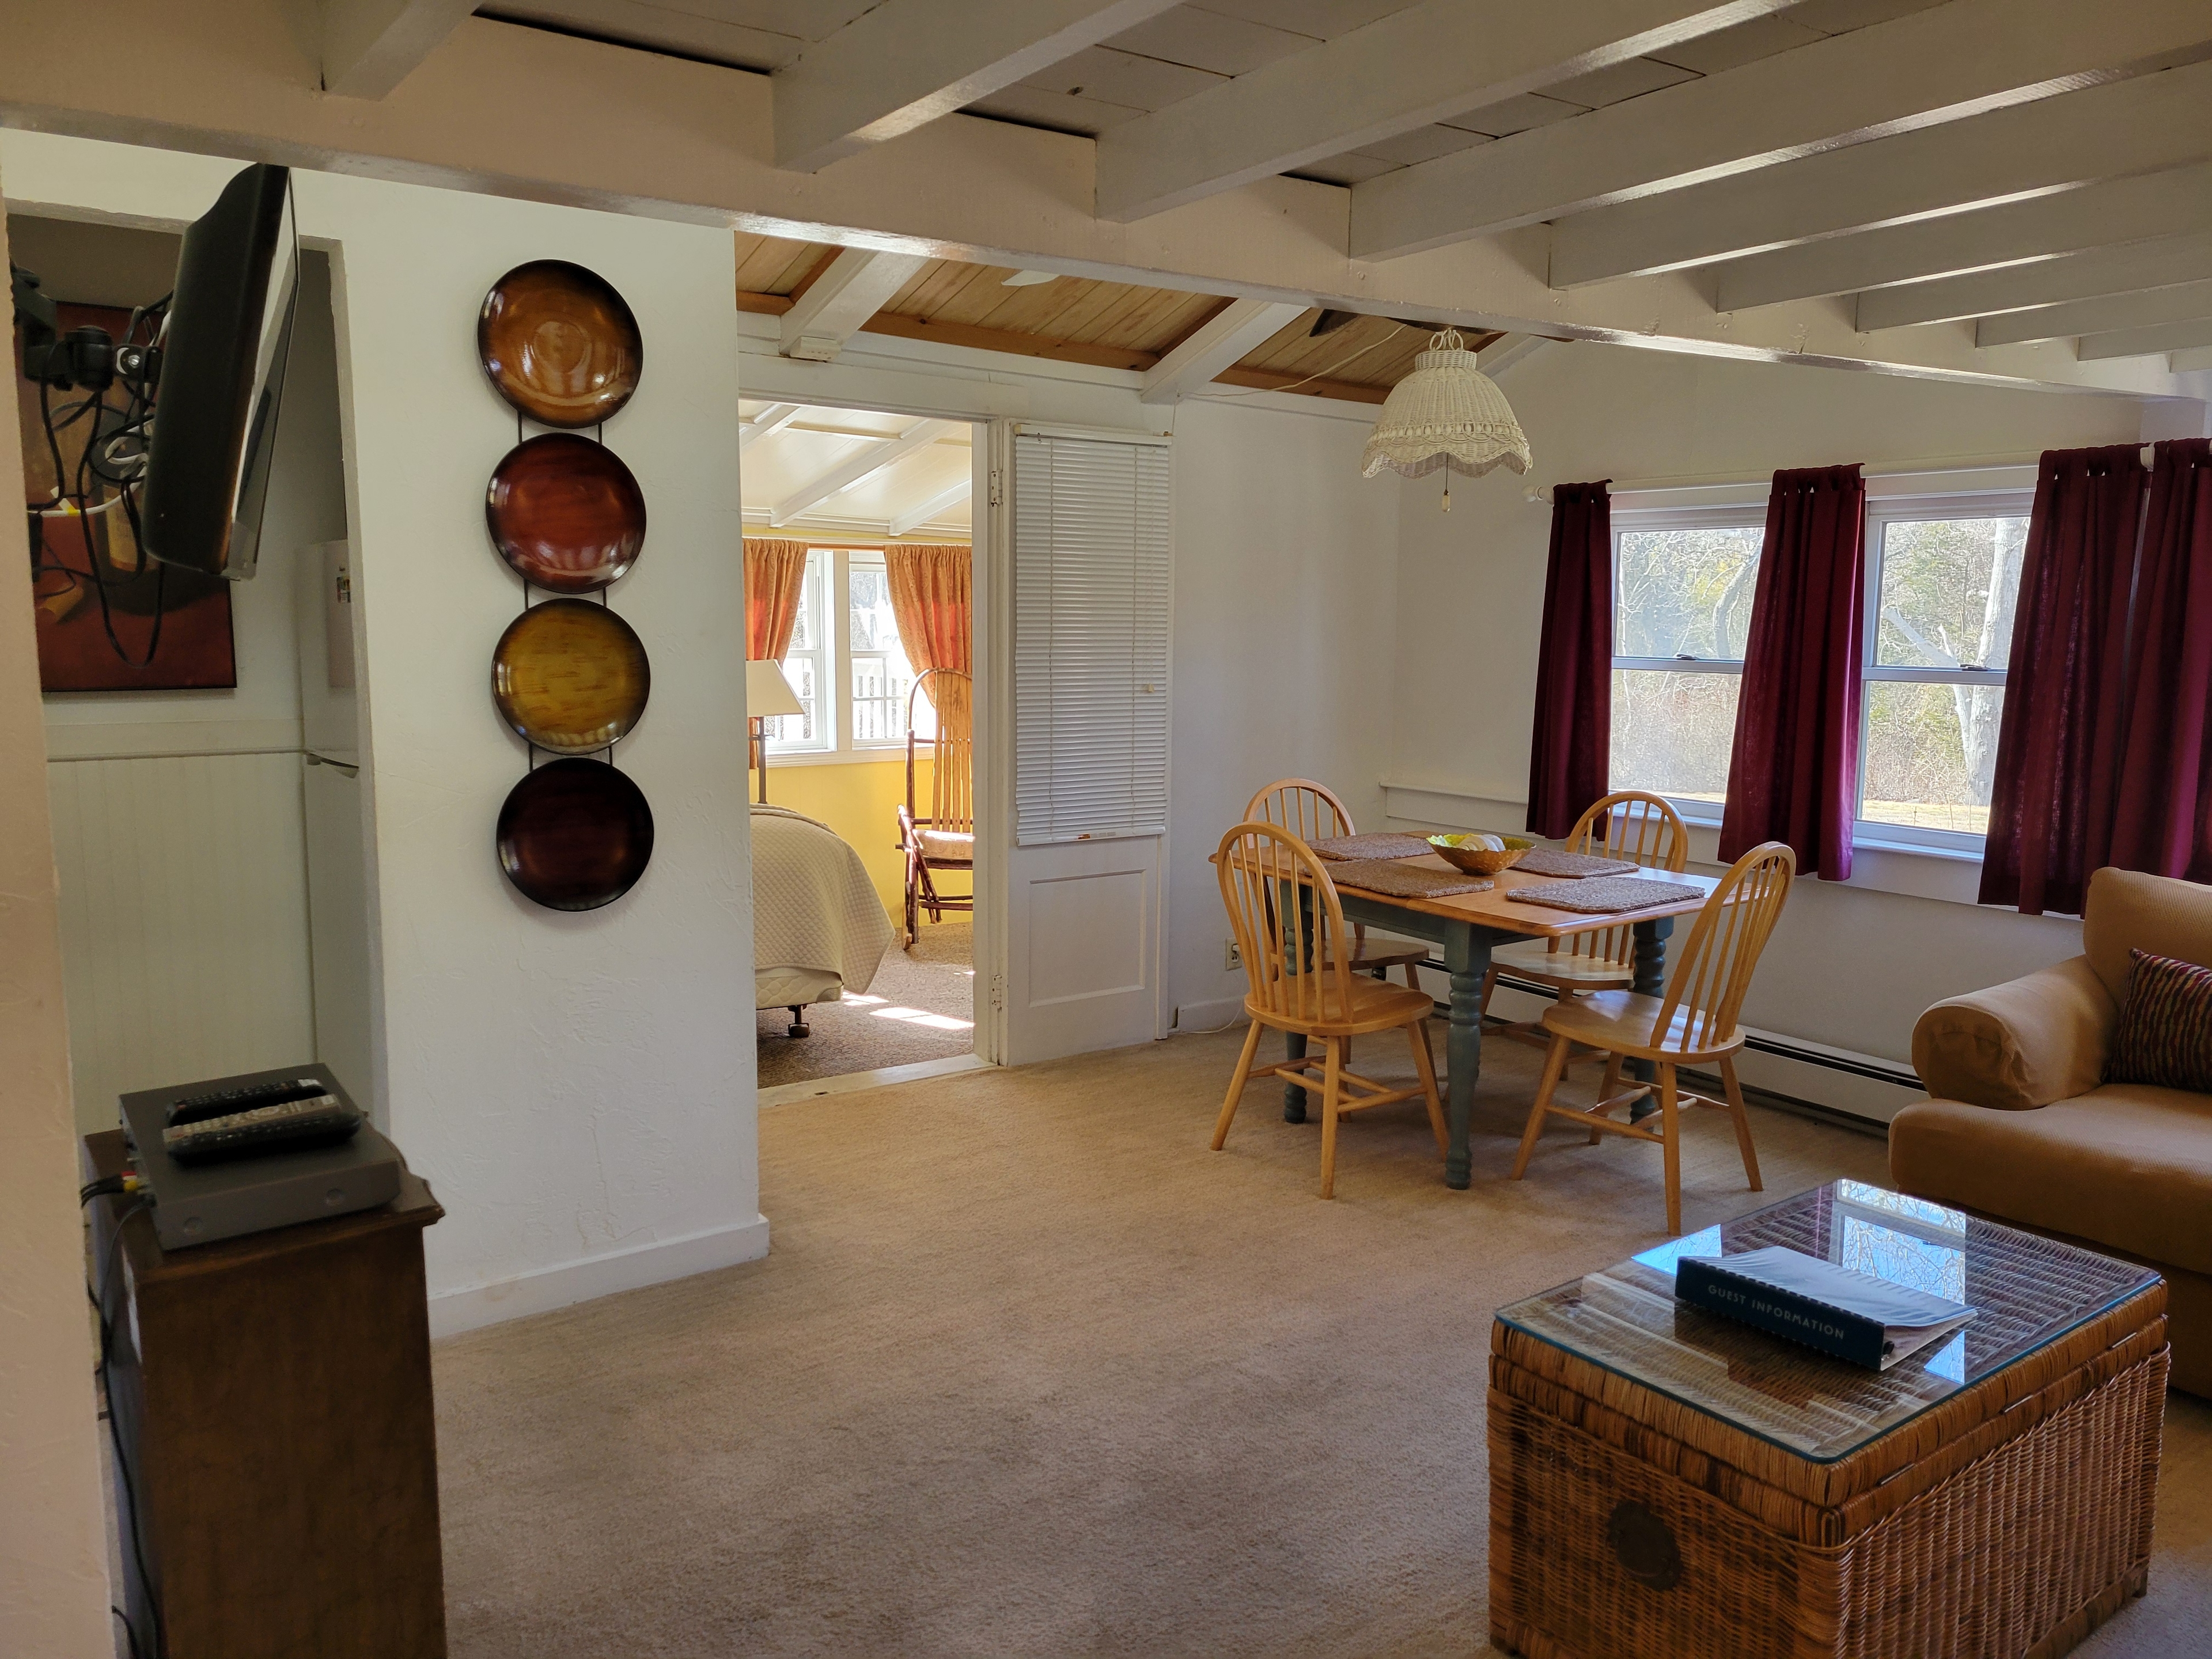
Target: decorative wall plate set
{"x":568,"y":676}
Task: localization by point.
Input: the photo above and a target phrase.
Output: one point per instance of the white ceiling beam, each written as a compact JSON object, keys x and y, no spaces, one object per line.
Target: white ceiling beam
{"x":2183,"y":302}
{"x":863,"y":463}
{"x":1914,"y":71}
{"x":1433,"y":60}
{"x":905,"y":63}
{"x":774,"y":418}
{"x":2153,"y":204}
{"x":928,"y":510}
{"x":2144,"y":341}
{"x":369,"y":46}
{"x":1239,"y":328}
{"x":2088,"y":275}
{"x":2126,"y":126}
{"x":857,"y":285}
{"x":1508,"y":349}
{"x":2193,"y":361}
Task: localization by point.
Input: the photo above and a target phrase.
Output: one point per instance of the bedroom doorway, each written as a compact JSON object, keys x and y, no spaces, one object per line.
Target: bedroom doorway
{"x":862,"y":608}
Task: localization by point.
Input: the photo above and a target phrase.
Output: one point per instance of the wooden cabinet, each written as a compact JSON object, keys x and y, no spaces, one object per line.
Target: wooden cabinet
{"x":272,"y":1394}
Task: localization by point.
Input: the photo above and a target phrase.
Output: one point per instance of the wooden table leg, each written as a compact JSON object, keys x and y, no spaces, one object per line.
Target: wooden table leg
{"x":1649,"y":979}
{"x":1294,"y":1042}
{"x":1467,"y":954}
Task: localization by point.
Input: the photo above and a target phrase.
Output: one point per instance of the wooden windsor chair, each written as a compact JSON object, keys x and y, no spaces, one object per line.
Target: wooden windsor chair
{"x":1301,"y":981}
{"x":1312,"y":812}
{"x":1631,"y":826}
{"x":1695,"y":1022}
{"x":944,"y":838}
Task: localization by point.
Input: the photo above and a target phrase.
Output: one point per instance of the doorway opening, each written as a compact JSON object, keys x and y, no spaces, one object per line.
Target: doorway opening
{"x":860,"y":618}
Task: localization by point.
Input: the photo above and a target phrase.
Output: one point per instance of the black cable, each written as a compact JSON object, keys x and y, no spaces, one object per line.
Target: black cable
{"x":130,"y":1634}
{"x":114,"y":1428}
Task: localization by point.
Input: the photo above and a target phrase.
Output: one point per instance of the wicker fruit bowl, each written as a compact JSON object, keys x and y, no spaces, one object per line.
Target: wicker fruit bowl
{"x":1476,"y":855}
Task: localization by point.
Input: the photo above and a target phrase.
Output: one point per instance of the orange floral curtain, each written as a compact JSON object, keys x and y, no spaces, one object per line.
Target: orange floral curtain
{"x":776,"y":573}
{"x":931,"y":585}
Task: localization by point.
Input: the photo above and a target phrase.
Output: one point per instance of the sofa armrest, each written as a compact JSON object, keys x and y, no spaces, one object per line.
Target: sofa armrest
{"x":2021,"y":1044}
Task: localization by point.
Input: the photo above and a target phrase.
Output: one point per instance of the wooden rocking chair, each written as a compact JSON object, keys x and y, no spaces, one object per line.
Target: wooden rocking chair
{"x":944,"y":839}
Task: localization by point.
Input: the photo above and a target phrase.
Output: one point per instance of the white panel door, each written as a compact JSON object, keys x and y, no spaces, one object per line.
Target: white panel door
{"x":1083,"y":555}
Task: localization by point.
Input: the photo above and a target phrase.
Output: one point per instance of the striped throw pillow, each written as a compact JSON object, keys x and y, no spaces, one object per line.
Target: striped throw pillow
{"x":2165,"y":1038}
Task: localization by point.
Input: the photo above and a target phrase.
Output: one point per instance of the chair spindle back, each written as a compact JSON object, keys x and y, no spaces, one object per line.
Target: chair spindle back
{"x":1715,"y":966}
{"x":1295,"y":958}
{"x":1638,"y":829}
{"x":1308,"y":809}
{"x":952,"y":750}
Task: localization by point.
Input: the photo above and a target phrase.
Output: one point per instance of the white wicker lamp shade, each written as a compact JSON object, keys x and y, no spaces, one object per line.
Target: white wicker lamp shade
{"x":1446,"y":413}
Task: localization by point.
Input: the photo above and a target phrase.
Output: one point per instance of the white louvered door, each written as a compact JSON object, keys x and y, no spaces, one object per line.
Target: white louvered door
{"x":1088,"y":517}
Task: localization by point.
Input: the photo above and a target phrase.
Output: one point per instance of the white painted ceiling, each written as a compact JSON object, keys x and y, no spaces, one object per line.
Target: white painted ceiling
{"x":816,"y":444}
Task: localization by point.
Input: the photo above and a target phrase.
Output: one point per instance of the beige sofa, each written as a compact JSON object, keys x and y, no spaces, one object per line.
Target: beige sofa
{"x":2023,"y":1127}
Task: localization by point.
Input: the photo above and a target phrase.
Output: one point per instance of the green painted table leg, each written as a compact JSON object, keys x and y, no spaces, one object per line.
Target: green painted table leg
{"x":1467,"y":956}
{"x":1650,"y":981}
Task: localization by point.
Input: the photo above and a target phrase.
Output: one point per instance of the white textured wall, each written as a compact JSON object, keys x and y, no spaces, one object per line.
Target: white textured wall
{"x":1850,"y":968}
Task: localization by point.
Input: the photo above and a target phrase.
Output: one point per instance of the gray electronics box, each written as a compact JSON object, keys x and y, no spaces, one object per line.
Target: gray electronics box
{"x":198,"y":1205}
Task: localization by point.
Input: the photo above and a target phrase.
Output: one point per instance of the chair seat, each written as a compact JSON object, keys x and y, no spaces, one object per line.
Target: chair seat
{"x":1623,"y":1021}
{"x":1376,"y":1005}
{"x":947,"y":847}
{"x":1533,"y":961}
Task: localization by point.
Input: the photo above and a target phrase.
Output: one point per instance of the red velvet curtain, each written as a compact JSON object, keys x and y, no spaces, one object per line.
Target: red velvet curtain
{"x":1568,"y":750}
{"x":2058,"y":748}
{"x":2161,"y":819}
{"x":1793,"y":773}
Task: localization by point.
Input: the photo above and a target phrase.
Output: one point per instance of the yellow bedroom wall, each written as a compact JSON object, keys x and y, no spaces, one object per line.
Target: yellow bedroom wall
{"x":860,"y":800}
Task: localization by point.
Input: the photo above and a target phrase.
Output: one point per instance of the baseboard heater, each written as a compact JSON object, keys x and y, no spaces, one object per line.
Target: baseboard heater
{"x":1781,"y":1048}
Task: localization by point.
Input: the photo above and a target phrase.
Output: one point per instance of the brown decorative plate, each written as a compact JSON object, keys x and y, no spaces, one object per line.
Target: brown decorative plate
{"x":560,"y":344}
{"x":575,"y":835}
{"x":565,"y":513}
{"x":570,"y":676}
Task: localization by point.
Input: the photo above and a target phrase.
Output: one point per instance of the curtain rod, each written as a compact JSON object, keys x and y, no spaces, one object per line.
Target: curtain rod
{"x":1724,"y":480}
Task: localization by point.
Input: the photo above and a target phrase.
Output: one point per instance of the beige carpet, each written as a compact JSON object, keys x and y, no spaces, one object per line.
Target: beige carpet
{"x":1030,"y":1371}
{"x":920,"y":1006}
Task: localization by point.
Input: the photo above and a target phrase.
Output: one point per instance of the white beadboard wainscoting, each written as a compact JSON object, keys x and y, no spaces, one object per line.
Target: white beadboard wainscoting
{"x":184,"y":940}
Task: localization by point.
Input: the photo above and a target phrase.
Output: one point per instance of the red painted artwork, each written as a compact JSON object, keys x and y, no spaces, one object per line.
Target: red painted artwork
{"x":108,"y":619}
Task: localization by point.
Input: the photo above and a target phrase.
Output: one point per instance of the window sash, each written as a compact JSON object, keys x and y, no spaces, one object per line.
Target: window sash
{"x":815,"y":597}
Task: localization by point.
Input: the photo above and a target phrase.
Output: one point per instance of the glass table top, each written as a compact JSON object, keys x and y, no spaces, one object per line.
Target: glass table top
{"x":2030,"y":1291}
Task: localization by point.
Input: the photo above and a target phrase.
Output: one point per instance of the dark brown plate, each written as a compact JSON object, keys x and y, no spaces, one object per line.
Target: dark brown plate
{"x":566,"y":512}
{"x":570,"y":676}
{"x":560,"y":344}
{"x":575,"y":835}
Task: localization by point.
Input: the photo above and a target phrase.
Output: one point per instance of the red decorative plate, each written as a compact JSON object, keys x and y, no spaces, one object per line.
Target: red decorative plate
{"x":566,"y":513}
{"x":575,"y":835}
{"x":560,"y":344}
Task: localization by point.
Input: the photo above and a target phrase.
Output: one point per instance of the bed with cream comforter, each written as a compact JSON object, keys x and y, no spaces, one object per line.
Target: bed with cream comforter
{"x":818,"y":928}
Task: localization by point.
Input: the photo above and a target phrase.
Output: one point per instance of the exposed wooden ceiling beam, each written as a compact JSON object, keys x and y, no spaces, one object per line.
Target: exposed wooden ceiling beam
{"x":2195,"y":361}
{"x":369,"y":46}
{"x":774,"y":418}
{"x":903,"y":62}
{"x":2154,"y":121}
{"x":1508,"y":349}
{"x":1000,"y":339}
{"x":2183,"y":302}
{"x":926,"y":511}
{"x":2152,"y":204}
{"x":1430,"y":61}
{"x":1918,"y":71}
{"x":866,"y":464}
{"x":1272,"y":380}
{"x":2085,"y":275}
{"x":1232,"y":333}
{"x":841,"y":301}
{"x":2144,"y":341}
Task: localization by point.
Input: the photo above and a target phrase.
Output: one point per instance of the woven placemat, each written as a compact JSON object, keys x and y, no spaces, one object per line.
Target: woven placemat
{"x":1384,"y":846}
{"x":1550,"y":861}
{"x":1603,"y":894}
{"x":1406,"y":880}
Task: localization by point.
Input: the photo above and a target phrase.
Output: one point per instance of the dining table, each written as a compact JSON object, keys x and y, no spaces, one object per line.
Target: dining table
{"x":1468,"y":925}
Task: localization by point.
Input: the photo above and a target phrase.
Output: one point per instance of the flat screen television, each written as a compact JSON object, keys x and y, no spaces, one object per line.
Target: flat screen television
{"x":223,"y":353}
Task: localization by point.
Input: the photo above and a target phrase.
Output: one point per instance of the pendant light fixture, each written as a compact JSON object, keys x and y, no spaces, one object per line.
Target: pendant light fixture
{"x":1449,"y":414}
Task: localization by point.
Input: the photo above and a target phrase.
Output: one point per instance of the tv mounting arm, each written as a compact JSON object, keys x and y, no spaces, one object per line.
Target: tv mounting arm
{"x":86,"y":359}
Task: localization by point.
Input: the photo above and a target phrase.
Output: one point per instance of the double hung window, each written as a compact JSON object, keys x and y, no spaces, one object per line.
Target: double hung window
{"x":846,"y":663}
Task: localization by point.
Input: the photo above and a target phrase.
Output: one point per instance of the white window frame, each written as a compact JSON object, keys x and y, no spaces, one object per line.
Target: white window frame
{"x":833,"y":662}
{"x":1737,"y":516}
{"x":1882,"y":511}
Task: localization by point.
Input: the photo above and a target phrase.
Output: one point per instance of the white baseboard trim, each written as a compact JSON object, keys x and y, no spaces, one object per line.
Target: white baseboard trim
{"x":475,"y":1306}
{"x":814,"y":1088}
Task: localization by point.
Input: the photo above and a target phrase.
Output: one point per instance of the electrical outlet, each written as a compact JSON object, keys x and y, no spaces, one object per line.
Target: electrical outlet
{"x":1232,"y":956}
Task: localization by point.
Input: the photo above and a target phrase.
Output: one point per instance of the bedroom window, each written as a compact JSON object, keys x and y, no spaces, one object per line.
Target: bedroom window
{"x":846,"y":663}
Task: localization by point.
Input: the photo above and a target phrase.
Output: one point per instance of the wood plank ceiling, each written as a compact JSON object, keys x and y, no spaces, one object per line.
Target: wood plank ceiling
{"x":1107,"y":325}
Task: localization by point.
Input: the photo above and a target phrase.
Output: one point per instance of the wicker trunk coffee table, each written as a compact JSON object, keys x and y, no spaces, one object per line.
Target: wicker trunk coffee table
{"x":1665,"y":1482}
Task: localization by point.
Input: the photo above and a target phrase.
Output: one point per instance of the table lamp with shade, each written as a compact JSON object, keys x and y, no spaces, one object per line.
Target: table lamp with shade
{"x":767,"y":694}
